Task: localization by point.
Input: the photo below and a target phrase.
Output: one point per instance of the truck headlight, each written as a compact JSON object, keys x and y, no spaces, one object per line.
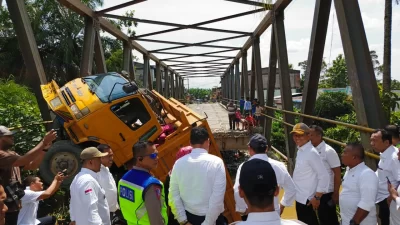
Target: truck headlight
{"x":76,"y":111}
{"x":55,"y":102}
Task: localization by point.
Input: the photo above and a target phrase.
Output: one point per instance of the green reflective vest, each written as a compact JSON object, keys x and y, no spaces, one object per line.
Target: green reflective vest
{"x":131,"y":197}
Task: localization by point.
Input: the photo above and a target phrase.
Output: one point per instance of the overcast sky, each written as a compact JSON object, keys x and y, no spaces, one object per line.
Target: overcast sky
{"x":298,"y":23}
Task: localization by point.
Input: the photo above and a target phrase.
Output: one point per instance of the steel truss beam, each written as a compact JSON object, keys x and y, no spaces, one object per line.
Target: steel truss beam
{"x":174,"y":24}
{"x":216,"y":56}
{"x":360,"y":70}
{"x":88,"y":47}
{"x":189,"y":63}
{"x":81,"y":9}
{"x":200,"y":54}
{"x":199,"y":44}
{"x":279,"y":6}
{"x":208,"y":61}
{"x":120,"y":6}
{"x":208,"y":70}
{"x":201,"y":67}
{"x":315,"y":55}
{"x":264,"y":5}
{"x":203,"y":23}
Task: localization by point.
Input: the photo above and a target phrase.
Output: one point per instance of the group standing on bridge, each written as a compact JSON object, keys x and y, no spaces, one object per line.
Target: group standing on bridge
{"x":194,"y":192}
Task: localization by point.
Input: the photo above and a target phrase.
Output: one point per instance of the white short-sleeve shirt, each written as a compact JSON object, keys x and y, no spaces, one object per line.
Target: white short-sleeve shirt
{"x":331,"y":160}
{"x":30,"y":203}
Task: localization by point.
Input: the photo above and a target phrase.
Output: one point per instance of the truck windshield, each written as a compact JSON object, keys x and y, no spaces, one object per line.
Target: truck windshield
{"x":103,"y":84}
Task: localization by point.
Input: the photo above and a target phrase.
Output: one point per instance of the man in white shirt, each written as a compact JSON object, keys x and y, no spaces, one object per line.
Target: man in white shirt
{"x":257,"y":150}
{"x":309,"y":176}
{"x":106,"y":180}
{"x":33,"y":194}
{"x":388,"y":168}
{"x":88,"y":204}
{"x":258,"y":187}
{"x":359,"y":189}
{"x":198,"y":184}
{"x":395,"y":204}
{"x":327,"y":209}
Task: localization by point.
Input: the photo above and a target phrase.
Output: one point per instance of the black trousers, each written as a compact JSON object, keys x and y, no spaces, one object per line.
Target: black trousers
{"x":47,"y":220}
{"x":12,"y":218}
{"x":232,"y":121}
{"x":198,"y":220}
{"x":327,"y":211}
{"x":384,"y":212}
{"x":306,"y":214}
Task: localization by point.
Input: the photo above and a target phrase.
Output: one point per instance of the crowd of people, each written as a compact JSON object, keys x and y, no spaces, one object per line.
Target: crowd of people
{"x":193,"y":193}
{"x":248,"y":114}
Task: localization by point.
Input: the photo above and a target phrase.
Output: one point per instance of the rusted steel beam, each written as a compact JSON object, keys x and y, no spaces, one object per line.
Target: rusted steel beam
{"x":271,"y":87}
{"x":214,"y":56}
{"x":201,"y":54}
{"x":203,"y":23}
{"x":88,"y":48}
{"x":260,"y":4}
{"x":183,"y":26}
{"x":100,"y":61}
{"x":315,"y":55}
{"x":120,"y":6}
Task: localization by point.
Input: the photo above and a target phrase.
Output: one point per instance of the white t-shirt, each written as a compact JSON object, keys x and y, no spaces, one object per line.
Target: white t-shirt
{"x":330,"y":159}
{"x":27,"y":214}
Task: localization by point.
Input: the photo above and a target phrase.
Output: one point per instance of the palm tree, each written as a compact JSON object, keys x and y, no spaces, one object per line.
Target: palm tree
{"x":375,"y":62}
{"x":387,"y":51}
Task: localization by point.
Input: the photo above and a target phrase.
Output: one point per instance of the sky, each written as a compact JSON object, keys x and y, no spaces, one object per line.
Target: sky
{"x":298,"y":24}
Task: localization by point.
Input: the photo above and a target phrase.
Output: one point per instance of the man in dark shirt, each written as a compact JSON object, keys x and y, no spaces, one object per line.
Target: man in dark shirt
{"x":10,"y":163}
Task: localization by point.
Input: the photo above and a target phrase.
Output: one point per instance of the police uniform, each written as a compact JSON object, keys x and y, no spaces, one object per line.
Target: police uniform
{"x":141,"y":198}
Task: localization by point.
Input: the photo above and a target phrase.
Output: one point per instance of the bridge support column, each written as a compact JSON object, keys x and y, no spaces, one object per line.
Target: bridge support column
{"x":253,"y":78}
{"x":26,"y":40}
{"x":88,"y":48}
{"x":233,"y":91}
{"x":99,"y":54}
{"x":146,"y":72}
{"x":158,"y":78}
{"x":271,"y":87}
{"x":258,"y":72}
{"x":360,"y":70}
{"x":245,"y":76}
{"x":176,"y":86}
{"x":127,"y":60}
{"x":150,"y":82}
{"x":171,"y":84}
{"x":166,"y":82}
{"x":173,"y":91}
{"x":315,"y":55}
{"x":132,"y":68}
{"x":237,"y":79}
{"x":285,"y":87}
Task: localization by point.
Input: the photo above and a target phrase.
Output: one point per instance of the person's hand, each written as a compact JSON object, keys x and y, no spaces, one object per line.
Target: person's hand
{"x":335,"y":198}
{"x":392,"y":191}
{"x":281,"y":208}
{"x":48,"y":146}
{"x":315,"y":203}
{"x":59,"y":177}
{"x":49,"y":137}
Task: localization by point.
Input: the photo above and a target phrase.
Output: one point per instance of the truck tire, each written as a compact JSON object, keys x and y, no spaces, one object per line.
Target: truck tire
{"x":61,"y":155}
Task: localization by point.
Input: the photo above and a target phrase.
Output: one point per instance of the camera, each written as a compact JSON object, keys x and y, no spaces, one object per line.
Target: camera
{"x":15,"y":191}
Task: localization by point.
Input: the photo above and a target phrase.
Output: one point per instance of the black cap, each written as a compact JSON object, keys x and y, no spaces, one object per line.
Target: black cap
{"x":257,"y":141}
{"x":257,"y":176}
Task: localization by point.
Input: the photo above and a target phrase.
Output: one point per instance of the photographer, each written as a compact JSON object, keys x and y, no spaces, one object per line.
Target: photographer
{"x":10,"y":163}
{"x":33,"y":194}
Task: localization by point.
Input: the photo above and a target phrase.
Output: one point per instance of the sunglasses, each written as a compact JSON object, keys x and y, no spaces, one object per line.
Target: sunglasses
{"x":152,"y":155}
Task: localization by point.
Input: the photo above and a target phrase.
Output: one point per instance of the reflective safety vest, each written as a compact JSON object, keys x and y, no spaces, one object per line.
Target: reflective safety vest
{"x":131,"y":189}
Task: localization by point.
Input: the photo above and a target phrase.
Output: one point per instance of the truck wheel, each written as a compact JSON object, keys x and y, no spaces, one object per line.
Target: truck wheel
{"x":61,"y":155}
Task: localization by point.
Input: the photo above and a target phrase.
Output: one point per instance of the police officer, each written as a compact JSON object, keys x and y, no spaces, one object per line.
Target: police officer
{"x":141,"y":196}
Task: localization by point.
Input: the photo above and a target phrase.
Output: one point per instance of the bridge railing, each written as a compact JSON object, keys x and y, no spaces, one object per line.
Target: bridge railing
{"x":348,"y":125}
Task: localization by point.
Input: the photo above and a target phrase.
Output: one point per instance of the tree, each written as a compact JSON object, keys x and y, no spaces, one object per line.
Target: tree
{"x":336,"y":76}
{"x":387,"y":48}
{"x":395,"y":85}
{"x":199,"y":93}
{"x":303,"y":66}
{"x":375,"y":62}
{"x":331,"y":105}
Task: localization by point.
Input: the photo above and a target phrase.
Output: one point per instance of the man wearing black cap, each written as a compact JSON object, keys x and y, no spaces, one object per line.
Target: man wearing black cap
{"x":10,"y":163}
{"x":258,"y":187}
{"x":257,"y":150}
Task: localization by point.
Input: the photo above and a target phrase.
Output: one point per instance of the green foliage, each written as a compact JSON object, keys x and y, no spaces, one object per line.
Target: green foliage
{"x":199,"y":93}
{"x":115,"y":61}
{"x":343,"y":134}
{"x":303,"y":66}
{"x":331,"y":105}
{"x":336,"y":75}
{"x":388,"y":99}
{"x":18,"y":107}
{"x":395,"y":85}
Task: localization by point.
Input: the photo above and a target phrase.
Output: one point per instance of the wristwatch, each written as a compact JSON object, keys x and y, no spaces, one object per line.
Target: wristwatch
{"x":352,"y":222}
{"x":317,"y":198}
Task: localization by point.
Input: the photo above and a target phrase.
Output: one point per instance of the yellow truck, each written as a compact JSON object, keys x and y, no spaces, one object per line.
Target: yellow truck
{"x":110,"y":109}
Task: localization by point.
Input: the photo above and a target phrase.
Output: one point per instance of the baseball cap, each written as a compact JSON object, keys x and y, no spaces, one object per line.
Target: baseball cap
{"x":300,"y":128}
{"x":92,"y":152}
{"x":257,"y":176}
{"x":4,"y":131}
{"x":257,"y":141}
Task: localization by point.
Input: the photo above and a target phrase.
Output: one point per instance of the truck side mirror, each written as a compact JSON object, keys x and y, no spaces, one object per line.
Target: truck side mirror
{"x":130,"y":88}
